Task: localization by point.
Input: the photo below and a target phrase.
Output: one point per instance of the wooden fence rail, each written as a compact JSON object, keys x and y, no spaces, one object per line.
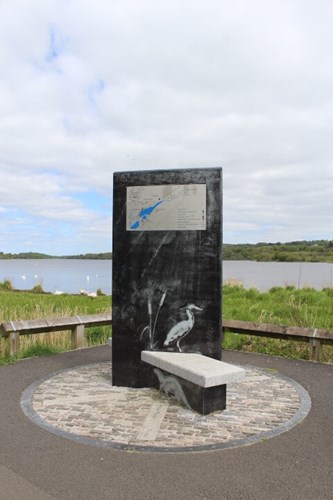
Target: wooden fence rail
{"x":76,"y":324}
{"x":315,"y":336}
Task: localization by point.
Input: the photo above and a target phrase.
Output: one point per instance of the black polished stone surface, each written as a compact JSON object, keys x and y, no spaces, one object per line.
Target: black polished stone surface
{"x":165,"y":273}
{"x":203,"y":400}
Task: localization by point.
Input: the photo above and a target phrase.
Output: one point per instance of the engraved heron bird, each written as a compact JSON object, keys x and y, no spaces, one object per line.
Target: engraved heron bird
{"x":183,"y":328}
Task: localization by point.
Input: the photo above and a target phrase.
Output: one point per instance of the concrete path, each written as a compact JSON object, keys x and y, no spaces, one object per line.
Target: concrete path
{"x":36,"y":464}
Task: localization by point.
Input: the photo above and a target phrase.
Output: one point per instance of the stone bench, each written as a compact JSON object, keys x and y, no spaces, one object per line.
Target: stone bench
{"x":196,"y":380}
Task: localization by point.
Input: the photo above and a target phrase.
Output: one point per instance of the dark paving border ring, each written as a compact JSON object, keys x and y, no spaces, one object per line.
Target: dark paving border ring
{"x":131,"y":401}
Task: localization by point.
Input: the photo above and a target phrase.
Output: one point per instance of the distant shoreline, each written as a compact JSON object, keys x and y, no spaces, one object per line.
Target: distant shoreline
{"x":36,"y":255}
{"x":294,"y":251}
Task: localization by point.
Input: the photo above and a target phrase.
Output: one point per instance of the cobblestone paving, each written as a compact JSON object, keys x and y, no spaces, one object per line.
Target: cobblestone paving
{"x":83,"y":403}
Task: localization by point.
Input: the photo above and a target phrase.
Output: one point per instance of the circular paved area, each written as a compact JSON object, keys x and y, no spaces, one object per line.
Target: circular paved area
{"x":81,"y":404}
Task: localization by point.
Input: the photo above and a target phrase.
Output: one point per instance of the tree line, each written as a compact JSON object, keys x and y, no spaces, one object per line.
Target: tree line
{"x":36,"y":255}
{"x":294,"y":251}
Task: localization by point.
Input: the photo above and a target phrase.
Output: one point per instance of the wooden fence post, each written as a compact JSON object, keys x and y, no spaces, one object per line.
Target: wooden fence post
{"x":77,"y":337}
{"x":315,"y":348}
{"x":14,"y":343}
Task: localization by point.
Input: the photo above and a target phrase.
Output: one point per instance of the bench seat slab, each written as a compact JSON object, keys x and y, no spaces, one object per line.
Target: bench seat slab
{"x":196,"y":368}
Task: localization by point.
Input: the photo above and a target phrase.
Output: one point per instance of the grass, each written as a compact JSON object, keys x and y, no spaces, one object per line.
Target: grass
{"x":16,"y":305}
{"x":39,"y":349}
{"x":290,"y":306}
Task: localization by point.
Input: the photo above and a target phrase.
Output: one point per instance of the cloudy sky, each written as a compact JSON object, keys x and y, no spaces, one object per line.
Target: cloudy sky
{"x":89,"y":88}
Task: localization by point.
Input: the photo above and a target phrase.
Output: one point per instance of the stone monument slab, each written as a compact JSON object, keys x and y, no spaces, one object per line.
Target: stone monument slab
{"x":167,"y":267}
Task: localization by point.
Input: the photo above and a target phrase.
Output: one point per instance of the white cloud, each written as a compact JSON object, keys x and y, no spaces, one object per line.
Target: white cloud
{"x":90,"y":88}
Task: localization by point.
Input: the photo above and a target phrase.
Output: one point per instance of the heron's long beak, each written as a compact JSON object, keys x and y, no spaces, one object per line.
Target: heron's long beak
{"x":196,"y":308}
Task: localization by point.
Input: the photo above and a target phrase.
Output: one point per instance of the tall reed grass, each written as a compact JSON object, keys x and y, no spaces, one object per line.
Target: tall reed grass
{"x":289,"y":306}
{"x":16,"y":305}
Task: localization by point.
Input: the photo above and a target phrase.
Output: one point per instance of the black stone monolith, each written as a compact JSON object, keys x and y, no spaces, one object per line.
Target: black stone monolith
{"x":167,"y":267}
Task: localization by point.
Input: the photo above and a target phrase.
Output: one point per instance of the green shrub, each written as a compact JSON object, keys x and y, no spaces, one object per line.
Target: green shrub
{"x":97,"y":335}
{"x":6,"y":285}
{"x":38,"y":350}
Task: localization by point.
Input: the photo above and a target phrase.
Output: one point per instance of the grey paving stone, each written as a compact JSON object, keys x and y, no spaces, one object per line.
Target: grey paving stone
{"x":81,"y":403}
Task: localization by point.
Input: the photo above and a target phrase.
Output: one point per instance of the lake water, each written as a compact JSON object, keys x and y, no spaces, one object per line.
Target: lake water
{"x":73,"y":275}
{"x":66,"y":275}
{"x":265,"y":275}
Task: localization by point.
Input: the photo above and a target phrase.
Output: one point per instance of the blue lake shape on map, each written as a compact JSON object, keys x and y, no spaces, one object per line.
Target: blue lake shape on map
{"x":144,"y":214}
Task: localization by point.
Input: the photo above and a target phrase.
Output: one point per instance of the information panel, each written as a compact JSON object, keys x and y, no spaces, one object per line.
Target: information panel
{"x":166,"y":207}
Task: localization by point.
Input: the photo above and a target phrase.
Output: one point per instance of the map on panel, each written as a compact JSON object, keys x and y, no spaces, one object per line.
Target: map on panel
{"x":177,"y":207}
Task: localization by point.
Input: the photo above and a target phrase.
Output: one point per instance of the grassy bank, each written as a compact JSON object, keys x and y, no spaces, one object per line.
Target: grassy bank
{"x":16,"y":305}
{"x":305,"y":307}
{"x":288,"y":306}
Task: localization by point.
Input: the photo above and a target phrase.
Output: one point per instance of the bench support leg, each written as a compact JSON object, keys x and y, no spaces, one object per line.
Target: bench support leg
{"x":203,"y":400}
